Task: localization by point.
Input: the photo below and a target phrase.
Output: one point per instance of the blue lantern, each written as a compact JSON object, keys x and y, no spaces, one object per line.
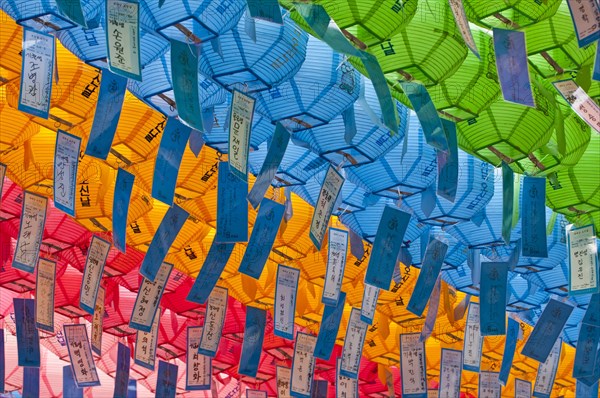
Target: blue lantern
{"x":45,"y":16}
{"x":372,"y":140}
{"x":257,"y":59}
{"x":322,"y":89}
{"x":554,"y":280}
{"x":455,"y":256}
{"x":461,"y":278}
{"x":396,"y":175}
{"x":194,"y":21}
{"x":523,"y":295}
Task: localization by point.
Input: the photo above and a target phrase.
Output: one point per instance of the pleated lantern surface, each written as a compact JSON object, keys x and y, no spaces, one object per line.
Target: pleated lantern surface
{"x":45,"y":16}
{"x":510,"y":14}
{"x":11,"y":37}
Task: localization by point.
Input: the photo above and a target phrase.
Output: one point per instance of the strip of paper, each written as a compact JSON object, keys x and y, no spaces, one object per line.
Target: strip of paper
{"x":413,"y":365}
{"x":544,"y":381}
{"x":489,"y":386}
{"x":166,"y":381}
{"x":167,"y":231}
{"x":336,"y":264}
{"x":319,"y":389}
{"x":184,"y":74}
{"x":286,"y":291}
{"x":580,"y":102}
{"x":508,"y":188}
{"x":122,"y":371}
{"x":2,"y":361}
{"x":254,"y":333}
{"x":583,"y":390}
{"x":232,"y":207}
{"x":547,"y":329}
{"x":148,"y":299}
{"x":512,"y":334}
{"x":522,"y":388}
{"x":28,"y":338}
{"x":216,"y":309}
{"x":492,"y":299}
{"x":106,"y":117}
{"x":430,"y":270}
{"x":172,"y":145}
{"x":264,"y":232}
{"x":211,"y":270}
{"x":284,"y":379}
{"x":70,"y":388}
{"x":585,"y":354}
{"x":66,"y":160}
{"x":98,"y":321}
{"x":80,"y":354}
{"x":345,"y":386}
{"x":432,"y":311}
{"x":303,"y":365}
{"x":583,"y":260}
{"x":123,"y":38}
{"x":31,"y":230}
{"x":123,"y":189}
{"x":198,"y":367}
{"x":2,"y":175}
{"x":586,"y":20}
{"x":592,"y":314}
{"x":328,"y":329}
{"x":131,"y":389}
{"x":533,"y":219}
{"x":354,"y":341}
{"x":92,"y":275}
{"x":267,"y":10}
{"x":384,"y":254}
{"x":592,"y":380}
{"x":37,"y":71}
{"x":596,"y":74}
{"x":256,"y":394}
{"x":450,"y":373}
{"x":240,"y":124}
{"x":145,"y":345}
{"x":44,"y":295}
{"x":473,"y":340}
{"x":447,"y":162}
{"x":31,"y":382}
{"x":512,"y":66}
{"x":332,"y":185}
{"x":460,"y":17}
{"x":72,"y":9}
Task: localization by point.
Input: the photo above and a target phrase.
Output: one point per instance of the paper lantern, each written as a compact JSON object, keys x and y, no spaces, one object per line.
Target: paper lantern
{"x":323,"y":87}
{"x":554,"y":281}
{"x":156,"y":88}
{"x":508,"y":131}
{"x":45,"y":16}
{"x":11,"y":36}
{"x":461,"y":278}
{"x":509,"y":13}
{"x":16,"y":127}
{"x":240,"y":60}
{"x":429,"y":50}
{"x":522,"y":295}
{"x":395,"y":175}
{"x":191,"y":20}
{"x":372,"y":140}
{"x":456,"y":254}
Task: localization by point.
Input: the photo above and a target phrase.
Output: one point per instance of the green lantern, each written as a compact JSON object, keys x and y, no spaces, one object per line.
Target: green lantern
{"x":511,"y":14}
{"x":552,"y":46}
{"x":429,"y":50}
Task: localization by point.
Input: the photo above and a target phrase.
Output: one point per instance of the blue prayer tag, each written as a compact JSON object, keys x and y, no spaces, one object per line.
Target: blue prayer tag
{"x":585,"y":355}
{"x":330,"y":324}
{"x":533,"y":221}
{"x":28,"y":339}
{"x":2,"y":361}
{"x":72,"y":10}
{"x":166,"y":382}
{"x":492,"y":300}
{"x":232,"y":207}
{"x":123,"y":188}
{"x":583,"y":390}
{"x":447,"y":181}
{"x":31,"y":382}
{"x":254,"y":333}
{"x":512,"y":335}
{"x":211,"y":270}
{"x":430,"y":270}
{"x":70,"y":387}
{"x":265,"y":9}
{"x":122,"y":373}
{"x":132,"y":389}
{"x":184,"y":73}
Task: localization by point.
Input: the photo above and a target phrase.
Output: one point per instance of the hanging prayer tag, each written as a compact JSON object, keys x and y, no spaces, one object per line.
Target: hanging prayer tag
{"x":242,"y":111}
{"x":330,"y":190}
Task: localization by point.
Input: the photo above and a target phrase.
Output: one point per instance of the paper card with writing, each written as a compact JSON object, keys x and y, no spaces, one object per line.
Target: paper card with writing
{"x":98,"y":321}
{"x":170,"y":152}
{"x":413,"y":366}
{"x":580,"y":101}
{"x":31,"y":382}
{"x":489,"y":386}
{"x":508,"y":189}
{"x":70,"y":387}
{"x":256,"y":394}
{"x":450,"y":373}
{"x":473,"y":340}
{"x":131,"y":389}
{"x":2,"y":361}
{"x":586,"y":20}
{"x":80,"y":353}
{"x":533,"y":218}
{"x":44,"y":294}
{"x":37,"y":71}
{"x":303,"y":365}
{"x":433,"y":393}
{"x":332,"y":185}
{"x":512,"y":334}
{"x":583,"y":260}
{"x":592,"y":314}
{"x":430,"y":270}
{"x":167,"y":231}
{"x":267,"y":10}
{"x":336,"y":263}
{"x":512,"y":66}
{"x":369,"y":303}
{"x":328,"y":330}
{"x":585,"y":354}
{"x":145,"y":345}
{"x":166,"y":382}
{"x":492,"y":300}
{"x":583,"y":390}
{"x":240,"y":124}
{"x":211,"y":270}
{"x":254,"y":334}
{"x":92,"y":275}
{"x":232,"y":207}
{"x":286,"y":291}
{"x":390,"y":233}
{"x":544,"y":381}
{"x":198,"y":367}
{"x":590,"y":381}
{"x":28,"y":338}
{"x":66,"y":160}
{"x":31,"y":230}
{"x":148,"y":299}
{"x":522,"y":388}
{"x":72,"y":10}
{"x":319,"y":389}
{"x":123,"y":38}
{"x":353,"y":345}
{"x":264,"y":232}
{"x":2,"y":175}
{"x":460,"y":17}
{"x":122,"y":372}
{"x":216,"y":308}
{"x":284,"y":379}
{"x":546,"y":330}
{"x":447,"y":163}
{"x":123,"y":188}
{"x":184,"y":74}
{"x":345,"y":386}
{"x":106,"y":117}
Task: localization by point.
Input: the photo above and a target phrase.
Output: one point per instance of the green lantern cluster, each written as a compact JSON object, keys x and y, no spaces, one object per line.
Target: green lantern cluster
{"x":509,"y":13}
